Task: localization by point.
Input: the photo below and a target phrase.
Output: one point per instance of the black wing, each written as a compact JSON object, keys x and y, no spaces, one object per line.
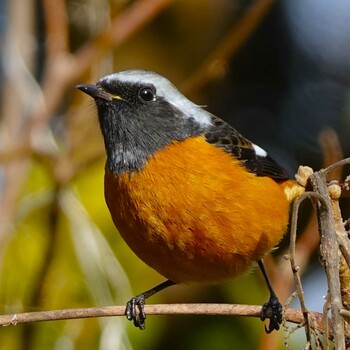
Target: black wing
{"x":254,"y":159}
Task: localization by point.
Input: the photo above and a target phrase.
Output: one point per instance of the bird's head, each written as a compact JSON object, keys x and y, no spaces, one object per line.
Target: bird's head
{"x":141,"y":112}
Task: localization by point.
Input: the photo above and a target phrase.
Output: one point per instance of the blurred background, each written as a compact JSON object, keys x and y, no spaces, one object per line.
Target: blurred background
{"x":278,"y":71}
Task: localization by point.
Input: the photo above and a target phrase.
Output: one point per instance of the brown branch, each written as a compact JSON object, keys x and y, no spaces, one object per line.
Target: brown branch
{"x":332,"y":231}
{"x":291,"y":315}
{"x":331,"y":150}
{"x":344,"y":246}
{"x":132,"y":19}
{"x":55,"y":15}
{"x":329,"y":252}
{"x":214,"y":66}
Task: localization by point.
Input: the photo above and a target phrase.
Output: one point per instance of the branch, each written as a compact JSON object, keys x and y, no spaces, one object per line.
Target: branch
{"x":215,"y":65}
{"x":291,"y":315}
{"x":129,"y":22}
{"x":329,"y":250}
{"x":292,"y":255}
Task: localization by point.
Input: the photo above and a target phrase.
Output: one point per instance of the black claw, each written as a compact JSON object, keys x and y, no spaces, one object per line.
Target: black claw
{"x":135,"y":311}
{"x":135,"y":307}
{"x":272,"y":310}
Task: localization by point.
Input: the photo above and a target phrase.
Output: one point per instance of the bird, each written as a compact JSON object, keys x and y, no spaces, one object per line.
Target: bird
{"x":191,"y":197}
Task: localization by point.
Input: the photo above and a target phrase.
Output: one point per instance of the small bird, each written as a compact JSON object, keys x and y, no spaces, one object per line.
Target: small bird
{"x":190,"y":196}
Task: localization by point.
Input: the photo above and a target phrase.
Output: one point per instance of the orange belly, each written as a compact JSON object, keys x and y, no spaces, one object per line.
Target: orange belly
{"x":195,"y":214}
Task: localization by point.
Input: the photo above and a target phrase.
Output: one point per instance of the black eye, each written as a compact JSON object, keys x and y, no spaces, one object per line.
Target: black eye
{"x":147,"y":94}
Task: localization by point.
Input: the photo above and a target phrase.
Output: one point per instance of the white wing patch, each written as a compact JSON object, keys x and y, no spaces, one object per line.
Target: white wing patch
{"x":259,"y":151}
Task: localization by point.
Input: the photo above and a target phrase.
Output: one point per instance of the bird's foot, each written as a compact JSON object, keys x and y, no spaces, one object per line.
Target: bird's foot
{"x":135,"y":312}
{"x":273,"y":310}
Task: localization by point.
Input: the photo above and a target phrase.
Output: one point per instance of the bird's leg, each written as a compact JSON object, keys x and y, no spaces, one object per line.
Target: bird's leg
{"x":134,"y":310}
{"x":272,"y":308}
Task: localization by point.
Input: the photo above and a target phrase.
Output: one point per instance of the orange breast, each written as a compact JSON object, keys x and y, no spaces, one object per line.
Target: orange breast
{"x":194,"y":214}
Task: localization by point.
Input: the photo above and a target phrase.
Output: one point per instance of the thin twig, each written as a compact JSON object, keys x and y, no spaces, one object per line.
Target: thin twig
{"x":336,"y":165}
{"x":326,"y":307}
{"x":287,"y":329}
{"x":345,"y":252}
{"x":295,"y":268}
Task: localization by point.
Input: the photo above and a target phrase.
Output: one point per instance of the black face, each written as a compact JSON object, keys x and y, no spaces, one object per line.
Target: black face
{"x":135,"y":123}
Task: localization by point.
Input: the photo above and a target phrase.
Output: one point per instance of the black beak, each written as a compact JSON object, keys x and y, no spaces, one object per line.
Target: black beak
{"x":95,"y":92}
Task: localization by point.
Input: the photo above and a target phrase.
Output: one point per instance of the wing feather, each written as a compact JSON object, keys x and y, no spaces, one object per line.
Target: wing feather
{"x":231,"y":141}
